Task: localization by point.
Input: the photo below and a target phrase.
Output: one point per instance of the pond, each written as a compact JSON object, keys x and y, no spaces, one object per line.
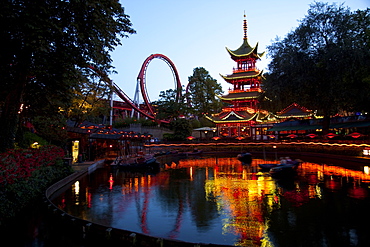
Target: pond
{"x":219,"y":200}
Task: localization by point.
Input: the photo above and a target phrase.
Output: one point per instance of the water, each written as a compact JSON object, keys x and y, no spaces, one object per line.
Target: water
{"x":220,"y":201}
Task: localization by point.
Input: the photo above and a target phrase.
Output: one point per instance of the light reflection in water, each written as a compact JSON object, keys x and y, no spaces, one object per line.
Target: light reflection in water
{"x":240,"y":192}
{"x":218,"y":200}
{"x":76,"y":189}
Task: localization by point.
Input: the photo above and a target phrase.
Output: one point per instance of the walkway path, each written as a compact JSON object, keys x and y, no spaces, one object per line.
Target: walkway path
{"x":78,"y":167}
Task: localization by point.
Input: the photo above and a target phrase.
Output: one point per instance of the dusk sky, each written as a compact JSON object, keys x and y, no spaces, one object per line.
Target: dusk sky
{"x":194,"y":33}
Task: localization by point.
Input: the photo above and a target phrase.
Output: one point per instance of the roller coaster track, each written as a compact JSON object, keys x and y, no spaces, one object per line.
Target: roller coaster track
{"x":141,"y":80}
{"x":120,"y":93}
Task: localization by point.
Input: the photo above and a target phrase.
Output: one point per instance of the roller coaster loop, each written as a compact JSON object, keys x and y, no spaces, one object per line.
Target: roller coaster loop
{"x":141,"y":79}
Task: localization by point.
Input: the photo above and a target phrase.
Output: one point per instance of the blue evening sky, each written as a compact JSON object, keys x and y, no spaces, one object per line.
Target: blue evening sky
{"x":194,"y":33}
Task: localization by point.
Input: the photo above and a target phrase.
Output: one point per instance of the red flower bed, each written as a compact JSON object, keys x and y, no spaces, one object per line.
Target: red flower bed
{"x":18,"y":164}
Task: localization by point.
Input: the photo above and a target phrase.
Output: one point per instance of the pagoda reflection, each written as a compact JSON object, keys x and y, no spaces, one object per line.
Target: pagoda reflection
{"x":242,"y":193}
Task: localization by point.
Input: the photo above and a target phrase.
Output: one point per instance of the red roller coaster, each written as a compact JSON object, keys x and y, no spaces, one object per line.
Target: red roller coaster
{"x":141,"y":80}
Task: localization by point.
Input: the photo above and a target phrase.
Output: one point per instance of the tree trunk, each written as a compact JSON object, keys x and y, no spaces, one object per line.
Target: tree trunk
{"x":10,"y":116}
{"x":326,"y":123}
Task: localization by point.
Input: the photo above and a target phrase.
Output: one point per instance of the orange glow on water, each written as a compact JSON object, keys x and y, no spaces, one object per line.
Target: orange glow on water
{"x":244,"y":198}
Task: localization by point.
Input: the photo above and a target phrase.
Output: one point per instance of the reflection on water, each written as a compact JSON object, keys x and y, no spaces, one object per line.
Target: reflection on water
{"x":221,"y":201}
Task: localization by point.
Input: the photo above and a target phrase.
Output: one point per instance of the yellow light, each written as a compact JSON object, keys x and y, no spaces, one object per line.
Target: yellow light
{"x":77,"y":188}
{"x":77,"y":192}
{"x":35,"y":145}
{"x":366,"y":170}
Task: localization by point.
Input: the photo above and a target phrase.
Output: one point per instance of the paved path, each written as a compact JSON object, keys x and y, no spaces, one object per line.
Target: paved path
{"x":77,"y":167}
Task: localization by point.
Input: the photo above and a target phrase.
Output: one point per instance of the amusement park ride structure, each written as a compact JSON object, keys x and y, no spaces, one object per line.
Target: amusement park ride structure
{"x":148,"y":111}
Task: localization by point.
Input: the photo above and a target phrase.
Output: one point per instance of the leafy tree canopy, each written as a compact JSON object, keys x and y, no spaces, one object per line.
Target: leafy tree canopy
{"x":47,"y":46}
{"x":324,"y":64}
{"x":181,"y":128}
{"x":169,"y":106}
{"x":202,"y":91}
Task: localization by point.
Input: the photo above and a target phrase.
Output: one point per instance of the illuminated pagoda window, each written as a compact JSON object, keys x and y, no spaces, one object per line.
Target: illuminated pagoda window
{"x":243,"y":117}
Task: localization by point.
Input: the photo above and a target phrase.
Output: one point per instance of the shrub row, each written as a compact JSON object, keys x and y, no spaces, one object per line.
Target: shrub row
{"x":25,"y":174}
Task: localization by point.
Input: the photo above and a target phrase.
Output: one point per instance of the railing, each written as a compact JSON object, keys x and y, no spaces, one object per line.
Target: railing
{"x":236,"y":70}
{"x":245,"y":90}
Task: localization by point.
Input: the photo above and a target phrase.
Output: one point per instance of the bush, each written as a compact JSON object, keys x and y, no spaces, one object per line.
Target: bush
{"x":25,"y":174}
{"x":181,"y":128}
{"x":29,"y":138}
{"x":125,"y":123}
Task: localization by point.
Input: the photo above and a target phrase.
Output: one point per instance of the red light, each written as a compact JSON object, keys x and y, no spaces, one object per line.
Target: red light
{"x":331,"y":135}
{"x":355,"y":135}
{"x":292,"y":136}
{"x":311,"y":135}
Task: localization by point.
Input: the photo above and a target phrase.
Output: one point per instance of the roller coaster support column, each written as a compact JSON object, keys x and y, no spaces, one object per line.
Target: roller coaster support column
{"x":111,"y":104}
{"x":136,"y":99}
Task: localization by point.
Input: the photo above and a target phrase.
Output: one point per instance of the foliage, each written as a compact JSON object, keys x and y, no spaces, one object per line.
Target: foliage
{"x":202,"y":91}
{"x":169,"y":137}
{"x":25,"y":174}
{"x":52,"y":128}
{"x":204,"y":122}
{"x":324,"y":63}
{"x":49,"y":45}
{"x":29,"y":138}
{"x":124,"y":123}
{"x":198,"y":100}
{"x":18,"y":164}
{"x":195,"y":123}
{"x":170,"y":106}
{"x":90,"y":98}
{"x":182,"y":129}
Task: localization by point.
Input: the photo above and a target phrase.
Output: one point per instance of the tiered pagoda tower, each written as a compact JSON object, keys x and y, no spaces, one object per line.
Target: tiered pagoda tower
{"x":243,"y":118}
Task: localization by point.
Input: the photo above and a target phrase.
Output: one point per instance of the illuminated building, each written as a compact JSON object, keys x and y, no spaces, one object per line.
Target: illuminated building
{"x":295,"y":112}
{"x":243,"y":117}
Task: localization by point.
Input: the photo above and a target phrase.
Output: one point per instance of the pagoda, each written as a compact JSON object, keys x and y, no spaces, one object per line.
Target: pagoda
{"x":242,"y":117}
{"x":295,"y":112}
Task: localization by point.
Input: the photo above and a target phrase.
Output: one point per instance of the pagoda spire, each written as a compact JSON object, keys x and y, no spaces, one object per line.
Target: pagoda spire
{"x":245,"y":27}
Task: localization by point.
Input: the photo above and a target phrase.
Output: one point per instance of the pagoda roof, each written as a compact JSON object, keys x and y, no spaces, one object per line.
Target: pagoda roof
{"x":294,"y":110}
{"x":234,"y":116}
{"x":240,"y":95}
{"x":245,"y":50}
{"x":243,"y":75}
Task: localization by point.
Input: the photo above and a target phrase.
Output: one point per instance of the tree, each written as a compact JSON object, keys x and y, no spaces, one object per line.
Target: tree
{"x":90,"y":99}
{"x":202,"y":91}
{"x":181,"y":128}
{"x":169,"y":106}
{"x":324,"y":63}
{"x":46,"y":47}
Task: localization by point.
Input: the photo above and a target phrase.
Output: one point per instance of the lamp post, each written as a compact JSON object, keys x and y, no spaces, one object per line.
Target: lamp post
{"x":275,"y":148}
